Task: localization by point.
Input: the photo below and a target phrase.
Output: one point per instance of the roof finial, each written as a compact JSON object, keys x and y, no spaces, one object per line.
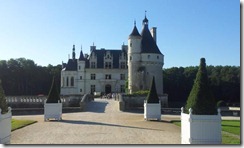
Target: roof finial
{"x":134,"y":22}
{"x":145,"y":13}
{"x":81,"y":47}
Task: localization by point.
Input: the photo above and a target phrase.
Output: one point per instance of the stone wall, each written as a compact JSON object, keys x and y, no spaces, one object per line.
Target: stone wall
{"x":130,"y":102}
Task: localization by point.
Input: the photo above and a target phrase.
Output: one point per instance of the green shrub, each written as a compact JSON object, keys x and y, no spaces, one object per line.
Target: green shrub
{"x":152,"y":97}
{"x":3,"y":103}
{"x":53,"y":96}
{"x":201,"y":99}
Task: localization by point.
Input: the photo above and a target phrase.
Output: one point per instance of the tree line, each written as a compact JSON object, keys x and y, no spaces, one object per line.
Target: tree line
{"x":224,"y":82}
{"x":24,"y":77}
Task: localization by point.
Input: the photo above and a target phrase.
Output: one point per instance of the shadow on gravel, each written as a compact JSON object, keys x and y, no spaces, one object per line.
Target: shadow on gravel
{"x":97,"y":107}
{"x":104,"y":124}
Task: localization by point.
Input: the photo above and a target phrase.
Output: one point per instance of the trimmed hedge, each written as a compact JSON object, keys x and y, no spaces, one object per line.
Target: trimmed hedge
{"x":3,"y":103}
{"x":53,"y":96}
{"x":152,"y":97}
{"x":201,"y":99}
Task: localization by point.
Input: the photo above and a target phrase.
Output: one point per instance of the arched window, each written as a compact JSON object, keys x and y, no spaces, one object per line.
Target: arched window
{"x":67,"y":81}
{"x":72,"y":81}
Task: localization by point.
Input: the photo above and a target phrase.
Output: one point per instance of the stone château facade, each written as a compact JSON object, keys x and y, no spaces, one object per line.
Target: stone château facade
{"x":106,"y":71}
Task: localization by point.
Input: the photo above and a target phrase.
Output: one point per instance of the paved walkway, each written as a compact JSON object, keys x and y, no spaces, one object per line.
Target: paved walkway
{"x":102,"y":123}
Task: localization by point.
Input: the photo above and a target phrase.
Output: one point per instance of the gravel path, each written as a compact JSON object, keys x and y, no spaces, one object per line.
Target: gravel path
{"x":102,"y":123}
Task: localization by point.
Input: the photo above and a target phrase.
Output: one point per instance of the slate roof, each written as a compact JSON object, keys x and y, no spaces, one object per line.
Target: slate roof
{"x":100,"y":57}
{"x":148,"y":44}
{"x":72,"y":63}
{"x":135,"y":32}
{"x":81,"y":56}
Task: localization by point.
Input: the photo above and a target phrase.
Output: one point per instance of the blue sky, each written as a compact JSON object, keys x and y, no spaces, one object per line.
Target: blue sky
{"x":45,"y":30}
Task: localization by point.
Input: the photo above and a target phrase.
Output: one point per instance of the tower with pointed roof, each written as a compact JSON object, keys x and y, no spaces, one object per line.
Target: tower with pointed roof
{"x":145,"y":60}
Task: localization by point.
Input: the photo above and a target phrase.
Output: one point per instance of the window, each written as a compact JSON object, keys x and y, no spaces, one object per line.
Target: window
{"x":122,"y":65}
{"x":108,"y":76}
{"x":122,"y":88}
{"x":130,"y":44}
{"x":93,"y":76}
{"x":80,"y":77}
{"x":122,"y":76}
{"x":157,"y":57}
{"x":108,"y":65}
{"x":72,"y":81}
{"x":93,"y":88}
{"x":130,"y":58}
{"x":67,"y":81}
{"x":93,"y":65}
{"x":80,"y":90}
{"x":148,"y":56}
{"x":79,"y":67}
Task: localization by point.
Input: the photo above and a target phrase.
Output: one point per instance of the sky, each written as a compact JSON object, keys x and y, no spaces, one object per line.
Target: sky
{"x":187,"y":30}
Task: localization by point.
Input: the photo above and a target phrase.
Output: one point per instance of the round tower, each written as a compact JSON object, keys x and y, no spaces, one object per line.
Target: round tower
{"x":134,"y":58}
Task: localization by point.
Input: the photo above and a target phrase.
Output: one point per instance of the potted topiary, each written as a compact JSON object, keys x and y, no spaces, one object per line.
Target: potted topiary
{"x":152,"y":105}
{"x":201,"y":123}
{"x":5,"y":118}
{"x":53,"y":105}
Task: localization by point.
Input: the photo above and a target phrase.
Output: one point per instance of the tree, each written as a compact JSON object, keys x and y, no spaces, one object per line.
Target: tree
{"x":201,"y":99}
{"x":152,"y":97}
{"x":53,"y":96}
{"x":3,"y":103}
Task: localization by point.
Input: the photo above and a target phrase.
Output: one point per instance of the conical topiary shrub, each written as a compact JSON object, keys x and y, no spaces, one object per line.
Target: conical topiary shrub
{"x":152,"y":97}
{"x":53,"y":96}
{"x":201,"y":99}
{"x":3,"y":103}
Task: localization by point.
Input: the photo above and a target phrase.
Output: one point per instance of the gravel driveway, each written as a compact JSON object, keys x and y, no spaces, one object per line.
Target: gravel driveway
{"x":102,"y":123}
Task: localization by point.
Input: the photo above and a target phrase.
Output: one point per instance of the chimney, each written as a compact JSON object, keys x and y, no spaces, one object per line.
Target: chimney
{"x":153,"y":32}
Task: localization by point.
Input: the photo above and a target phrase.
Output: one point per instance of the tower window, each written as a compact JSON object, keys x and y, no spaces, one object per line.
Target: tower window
{"x":130,"y":58}
{"x":130,"y":44}
{"x":157,"y":57}
{"x":148,"y":56}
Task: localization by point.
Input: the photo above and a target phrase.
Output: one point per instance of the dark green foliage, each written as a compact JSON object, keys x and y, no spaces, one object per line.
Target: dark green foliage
{"x":221,"y":103}
{"x":3,"y":103}
{"x":201,"y":99}
{"x":223,"y":80}
{"x":53,"y":96}
{"x":152,"y":97}
{"x":23,"y":77}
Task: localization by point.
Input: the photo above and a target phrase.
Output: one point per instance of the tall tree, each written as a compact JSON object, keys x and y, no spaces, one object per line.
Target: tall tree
{"x":201,"y":99}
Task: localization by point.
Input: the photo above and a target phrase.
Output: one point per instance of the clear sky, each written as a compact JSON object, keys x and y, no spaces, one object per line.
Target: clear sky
{"x":45,"y":30}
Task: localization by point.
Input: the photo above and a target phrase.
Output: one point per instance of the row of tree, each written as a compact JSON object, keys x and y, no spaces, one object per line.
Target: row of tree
{"x":224,"y":83}
{"x":24,"y":77}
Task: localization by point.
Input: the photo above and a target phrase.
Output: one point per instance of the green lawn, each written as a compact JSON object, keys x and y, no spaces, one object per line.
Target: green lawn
{"x":17,"y":124}
{"x":230,"y":126}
